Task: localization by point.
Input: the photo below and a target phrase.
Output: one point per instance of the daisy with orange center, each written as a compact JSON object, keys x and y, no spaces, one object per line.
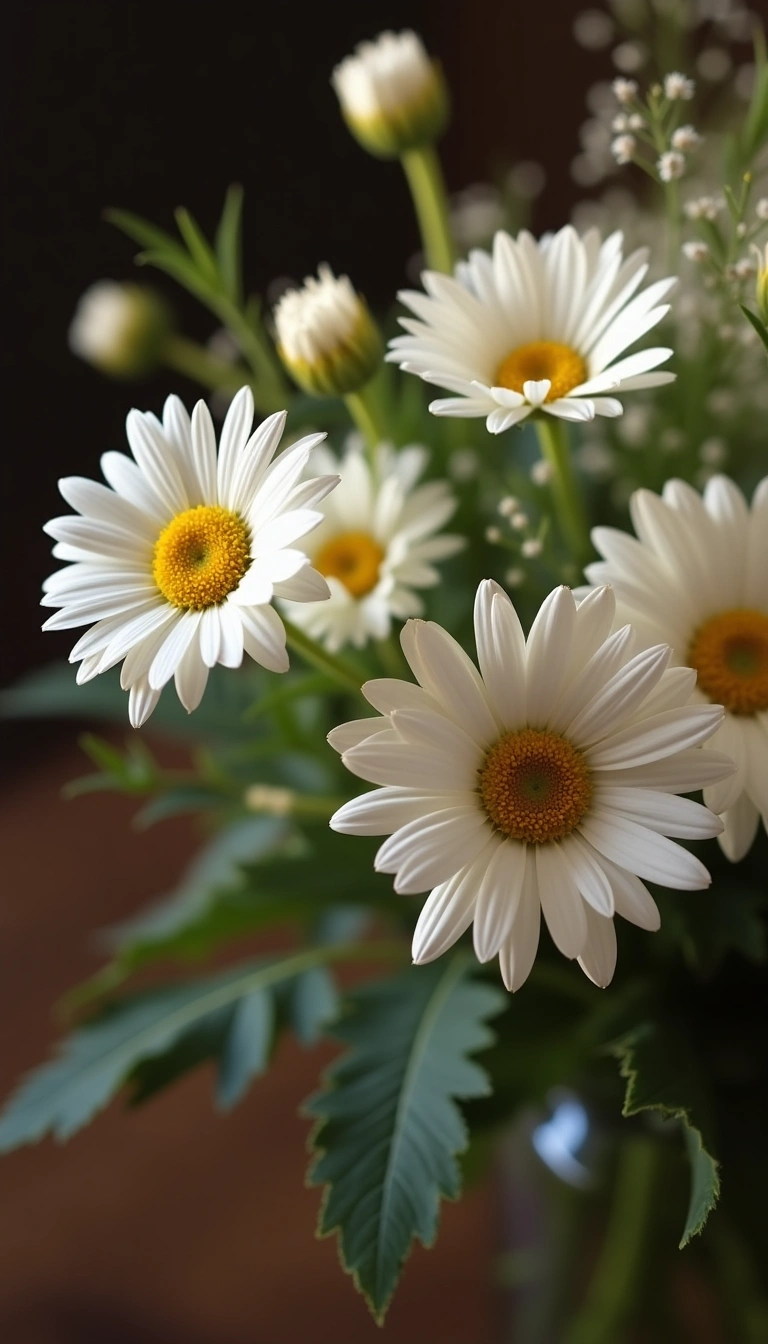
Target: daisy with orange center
{"x":545,"y":781}
{"x":535,"y":326}
{"x":377,"y":544}
{"x":697,"y":577}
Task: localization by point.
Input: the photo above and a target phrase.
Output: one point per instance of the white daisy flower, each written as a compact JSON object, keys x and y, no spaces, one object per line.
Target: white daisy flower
{"x":697,"y":578}
{"x":179,"y":561}
{"x":547,"y":781}
{"x":376,"y":544}
{"x":535,"y":327}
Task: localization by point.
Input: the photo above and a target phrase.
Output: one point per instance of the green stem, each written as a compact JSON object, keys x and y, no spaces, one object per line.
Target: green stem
{"x":272,"y":386}
{"x":366,"y":413}
{"x":566,"y":494}
{"x":313,"y":653}
{"x":195,"y":362}
{"x":616,"y":1281}
{"x":425,"y":179}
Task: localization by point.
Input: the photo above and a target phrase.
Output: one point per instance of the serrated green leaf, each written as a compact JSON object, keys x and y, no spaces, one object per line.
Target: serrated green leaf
{"x":245,"y":1053}
{"x":658,"y":1064}
{"x":390,"y":1128}
{"x":227,"y":243}
{"x":152,"y":1028}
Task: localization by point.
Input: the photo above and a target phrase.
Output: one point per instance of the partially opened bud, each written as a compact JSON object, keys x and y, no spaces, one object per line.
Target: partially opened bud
{"x":326,"y":336}
{"x":119,"y":328}
{"x":392,"y":94}
{"x":761,"y":284}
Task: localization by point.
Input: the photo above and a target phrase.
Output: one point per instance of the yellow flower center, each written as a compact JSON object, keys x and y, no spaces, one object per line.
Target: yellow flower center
{"x":562,"y":365}
{"x":730,"y":654}
{"x":535,"y":786}
{"x":201,"y":556}
{"x":354,"y":559}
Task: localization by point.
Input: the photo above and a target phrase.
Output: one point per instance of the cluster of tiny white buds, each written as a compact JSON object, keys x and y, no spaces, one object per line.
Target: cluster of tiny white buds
{"x":492,"y":535}
{"x":519,"y":521}
{"x":761,"y":209}
{"x":743,"y":269}
{"x":704,"y":207}
{"x":620,"y":123}
{"x":678,"y":87}
{"x":531,"y":548}
{"x":696,"y":250}
{"x":636,"y":122}
{"x":508,"y":505}
{"x":623,"y":148}
{"x":671,"y":165}
{"x":686,"y":138}
{"x":542,"y":472}
{"x":514,"y":577}
{"x":625,"y":90}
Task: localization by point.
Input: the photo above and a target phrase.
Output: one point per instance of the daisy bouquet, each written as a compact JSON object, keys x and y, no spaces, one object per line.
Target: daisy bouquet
{"x":467,"y":626}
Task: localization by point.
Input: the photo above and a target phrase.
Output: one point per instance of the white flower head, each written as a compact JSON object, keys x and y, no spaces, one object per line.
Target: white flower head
{"x":625,"y":90}
{"x":377,"y":544}
{"x":623,"y":148}
{"x":546,"y":781}
{"x":704,"y":207}
{"x":686,"y":139}
{"x":119,"y":328}
{"x":696,"y":578}
{"x":696,"y":250}
{"x":326,"y":336}
{"x":178,"y":559}
{"x":392,"y":94}
{"x":678,"y":87}
{"x":671,"y":165}
{"x":535,"y":326}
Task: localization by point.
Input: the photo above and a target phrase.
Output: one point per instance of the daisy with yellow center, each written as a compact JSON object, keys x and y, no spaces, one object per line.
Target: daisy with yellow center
{"x":546,"y":781}
{"x":178,"y":559}
{"x":697,"y":577}
{"x":377,"y":544}
{"x":535,"y":326}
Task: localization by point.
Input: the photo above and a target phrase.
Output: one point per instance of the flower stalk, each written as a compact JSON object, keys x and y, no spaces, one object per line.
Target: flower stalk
{"x":427,"y":184}
{"x":566,"y":495}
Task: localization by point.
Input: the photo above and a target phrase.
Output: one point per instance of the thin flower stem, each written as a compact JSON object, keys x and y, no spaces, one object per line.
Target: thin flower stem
{"x":616,"y":1282}
{"x":334,"y":667}
{"x":195,"y":362}
{"x":270,"y":380}
{"x":364,"y":409}
{"x":425,"y":179}
{"x":566,"y":494}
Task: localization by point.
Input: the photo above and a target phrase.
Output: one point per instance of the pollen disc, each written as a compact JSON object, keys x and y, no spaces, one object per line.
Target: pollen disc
{"x":201,"y":556}
{"x":535,"y":786}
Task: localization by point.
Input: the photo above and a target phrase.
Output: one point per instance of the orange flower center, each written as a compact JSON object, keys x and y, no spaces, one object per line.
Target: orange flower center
{"x":201,"y":556}
{"x":562,"y":365}
{"x":730,"y":655}
{"x":353,"y":558}
{"x":535,"y":786}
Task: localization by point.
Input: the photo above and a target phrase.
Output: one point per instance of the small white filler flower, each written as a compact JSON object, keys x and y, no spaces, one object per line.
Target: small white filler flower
{"x":697,"y":578}
{"x":376,"y":545}
{"x":535,"y":326}
{"x":548,"y":781}
{"x":392,"y":94}
{"x":177,"y":563}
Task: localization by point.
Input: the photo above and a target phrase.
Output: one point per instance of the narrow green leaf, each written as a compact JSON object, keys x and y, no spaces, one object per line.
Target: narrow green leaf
{"x":141,"y":231}
{"x":658,"y":1064}
{"x":197,"y":244}
{"x":755,"y":322}
{"x":246,"y":1049}
{"x":183,"y":270}
{"x":390,"y":1128}
{"x":228,"y":245}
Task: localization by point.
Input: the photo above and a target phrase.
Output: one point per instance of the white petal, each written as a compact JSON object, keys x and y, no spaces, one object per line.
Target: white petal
{"x":156,"y":461}
{"x":498,"y":898}
{"x":191,"y":678}
{"x":741,"y":822}
{"x":231,"y":627}
{"x":204,"y":452}
{"x":588,"y":873}
{"x":442,"y":667}
{"x":446,"y":914}
{"x":662,"y":812}
{"x":234,"y":433}
{"x":518,"y":953}
{"x":141,"y":701}
{"x":429,"y":850}
{"x":501,"y":653}
{"x":643,"y":852}
{"x":657,"y":736}
{"x":172,"y":649}
{"x":620,"y":697}
{"x":264,"y":637}
{"x":383,"y":811}
{"x":598,"y":957}
{"x":547,"y":655}
{"x":561,"y":903}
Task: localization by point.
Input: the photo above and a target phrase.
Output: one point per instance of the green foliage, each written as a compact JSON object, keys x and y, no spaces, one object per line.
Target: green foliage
{"x":757,"y":323}
{"x":728,"y":917}
{"x":149,"y":1039}
{"x":390,"y":1128}
{"x":657,"y":1059}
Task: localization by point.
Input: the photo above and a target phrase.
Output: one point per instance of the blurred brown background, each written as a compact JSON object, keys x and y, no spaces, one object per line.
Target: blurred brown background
{"x":173,"y":1224}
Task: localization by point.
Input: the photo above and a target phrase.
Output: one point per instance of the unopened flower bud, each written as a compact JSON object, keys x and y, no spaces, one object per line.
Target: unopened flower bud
{"x":393,"y":95}
{"x":678,"y":87}
{"x":326,"y":336}
{"x":623,"y":148}
{"x":761,"y":209}
{"x":531,"y":548}
{"x":120,"y":328}
{"x":624,"y":89}
{"x":696,"y":250}
{"x":761,"y":283}
{"x":686,"y":138}
{"x":671,"y":165}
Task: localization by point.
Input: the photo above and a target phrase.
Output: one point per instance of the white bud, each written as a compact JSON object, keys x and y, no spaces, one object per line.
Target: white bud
{"x":761,"y":209}
{"x":713,"y":452}
{"x":636,"y":122}
{"x":463,"y":464}
{"x":741,"y":230}
{"x":629,"y":56}
{"x":713,"y":64}
{"x":508,"y":505}
{"x":678,"y":86}
{"x":696,"y":250}
{"x":671,"y":165}
{"x":744,"y":268}
{"x":493,"y":535}
{"x":620,"y":122}
{"x":119,"y":328}
{"x":326,"y":336}
{"x":519,"y":521}
{"x":531,"y":548}
{"x":623,"y":148}
{"x":703,"y":207}
{"x":686,"y":138}
{"x":671,"y":440}
{"x":392,"y":95}
{"x":593,"y":29}
{"x":514,"y":577}
{"x":268,"y":799}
